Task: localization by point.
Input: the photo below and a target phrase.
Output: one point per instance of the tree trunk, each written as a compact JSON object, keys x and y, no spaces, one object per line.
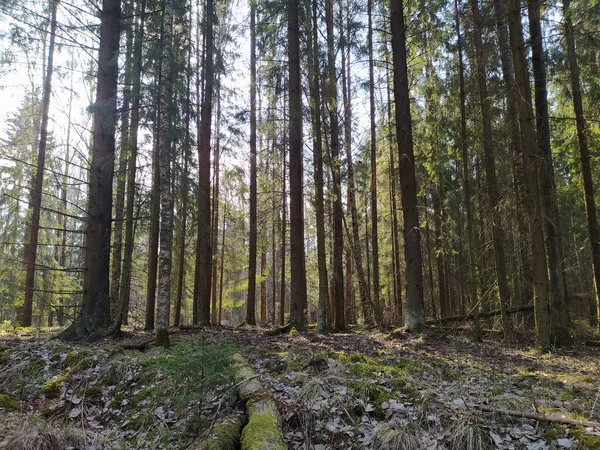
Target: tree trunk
{"x":166,"y":196}
{"x":283,"y":237}
{"x":584,"y":156}
{"x":123,"y":308}
{"x":377,"y":306}
{"x":251,"y":302}
{"x":95,"y":309}
{"x":473,"y":275}
{"x":338,"y":233}
{"x":531,"y":168}
{"x":315,"y":86}
{"x":298,"y":300}
{"x":415,"y":314}
{"x":365,"y":299}
{"x":215,"y":207}
{"x":154,"y":229}
{"x":526,"y":284}
{"x":394,"y":211}
{"x":184,"y":186}
{"x":117,"y":246}
{"x":35,"y":201}
{"x":559,"y":315}
{"x":493,"y":192}
{"x":204,"y":254}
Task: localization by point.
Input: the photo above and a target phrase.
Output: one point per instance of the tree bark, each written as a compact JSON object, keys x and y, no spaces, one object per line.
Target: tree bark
{"x":526,"y":283}
{"x":531,"y":168}
{"x":204,"y":253}
{"x":123,"y":307}
{"x":377,"y":307}
{"x":251,"y":301}
{"x":95,"y":310}
{"x":498,"y":235}
{"x":35,"y":200}
{"x":415,"y":314}
{"x":338,"y":233}
{"x":584,"y":155}
{"x":315,"y":86}
{"x":298,"y":300}
{"x":559,"y":314}
{"x":166,"y":196}
{"x":121,"y":174}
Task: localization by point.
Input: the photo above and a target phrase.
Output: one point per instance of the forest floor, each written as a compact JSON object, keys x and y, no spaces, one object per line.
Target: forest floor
{"x":356,"y":390}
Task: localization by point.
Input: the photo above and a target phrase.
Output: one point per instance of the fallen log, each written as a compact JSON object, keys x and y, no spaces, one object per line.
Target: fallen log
{"x":225,"y":435}
{"x":263,"y":431}
{"x":482,"y":315}
{"x":552,"y":418}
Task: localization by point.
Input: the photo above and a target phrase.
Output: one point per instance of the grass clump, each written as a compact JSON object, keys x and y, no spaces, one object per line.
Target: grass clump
{"x":468,"y":434}
{"x":399,"y":434}
{"x":39,"y":435}
{"x":588,"y":441}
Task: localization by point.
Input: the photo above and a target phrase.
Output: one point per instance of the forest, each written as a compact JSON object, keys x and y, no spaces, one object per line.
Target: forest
{"x":301,"y":224}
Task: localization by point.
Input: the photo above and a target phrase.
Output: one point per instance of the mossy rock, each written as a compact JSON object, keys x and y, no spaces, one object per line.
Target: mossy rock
{"x":9,"y":403}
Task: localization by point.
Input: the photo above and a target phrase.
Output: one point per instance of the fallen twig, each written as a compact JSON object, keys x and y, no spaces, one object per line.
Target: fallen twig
{"x":553,"y":418}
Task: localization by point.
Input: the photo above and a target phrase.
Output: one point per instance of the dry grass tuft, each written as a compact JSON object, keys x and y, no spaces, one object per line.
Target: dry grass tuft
{"x":399,"y":434}
{"x":43,"y":436}
{"x":468,"y":434}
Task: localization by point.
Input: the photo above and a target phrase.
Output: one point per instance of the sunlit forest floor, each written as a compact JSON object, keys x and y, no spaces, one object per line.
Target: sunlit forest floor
{"x":355,"y":390}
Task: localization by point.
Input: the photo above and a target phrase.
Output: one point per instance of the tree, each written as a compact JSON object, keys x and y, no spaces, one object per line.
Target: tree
{"x":30,"y":252}
{"x":166,"y":196}
{"x":298,"y":298}
{"x":531,"y":169}
{"x":558,"y":288}
{"x":95,"y":310}
{"x":334,"y":161}
{"x":584,"y":153}
{"x":415,"y":314}
{"x":251,"y":303}
{"x":203,"y":251}
{"x":490,"y":170}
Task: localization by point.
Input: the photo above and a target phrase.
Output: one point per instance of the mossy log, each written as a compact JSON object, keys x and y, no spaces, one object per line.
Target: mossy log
{"x":225,"y":435}
{"x":263,"y":431}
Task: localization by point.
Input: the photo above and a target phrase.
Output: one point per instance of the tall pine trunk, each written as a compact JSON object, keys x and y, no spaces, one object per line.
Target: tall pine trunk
{"x":251,"y":301}
{"x":493,"y":192}
{"x":315,"y":94}
{"x":95,"y":309}
{"x":377,"y":306}
{"x":531,"y":163}
{"x":415,"y":314}
{"x":298,"y":299}
{"x":123,"y":307}
{"x":558,"y":289}
{"x":584,"y":156}
{"x":202,"y":282}
{"x":338,"y":237}
{"x":471,"y":243}
{"x":35,"y":202}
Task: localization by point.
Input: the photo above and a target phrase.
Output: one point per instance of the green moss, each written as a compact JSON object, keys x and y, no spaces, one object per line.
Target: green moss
{"x":262,"y":432}
{"x":53,"y":387}
{"x":74,"y":357}
{"x":588,"y":441}
{"x":225,"y":435}
{"x":7,"y":402}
